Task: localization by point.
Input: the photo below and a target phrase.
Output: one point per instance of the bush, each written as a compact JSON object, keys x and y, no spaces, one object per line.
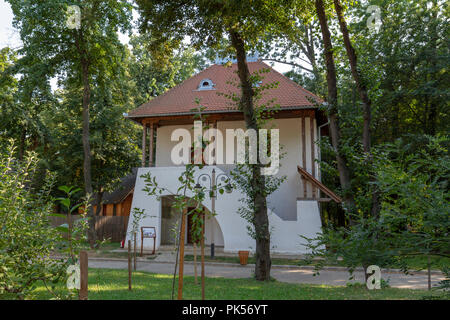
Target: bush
{"x":26,"y":236}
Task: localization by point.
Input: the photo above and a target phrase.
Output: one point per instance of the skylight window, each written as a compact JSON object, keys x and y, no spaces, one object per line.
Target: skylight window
{"x":206,"y":84}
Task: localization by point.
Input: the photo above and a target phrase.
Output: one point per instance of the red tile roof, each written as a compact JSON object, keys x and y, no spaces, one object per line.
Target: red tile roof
{"x":181,"y":98}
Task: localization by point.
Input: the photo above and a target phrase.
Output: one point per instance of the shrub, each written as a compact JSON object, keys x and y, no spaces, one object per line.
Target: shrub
{"x":26,"y":236}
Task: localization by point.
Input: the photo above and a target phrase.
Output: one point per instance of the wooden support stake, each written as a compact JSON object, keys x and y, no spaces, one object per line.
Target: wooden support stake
{"x":142,"y":243}
{"x":154,"y":245}
{"x":134,"y":252}
{"x":144,"y":140}
{"x":203,"y":258}
{"x":181,"y":267}
{"x":129,"y":264}
{"x":83,"y":294}
{"x":150,"y":146}
{"x":195,"y":263}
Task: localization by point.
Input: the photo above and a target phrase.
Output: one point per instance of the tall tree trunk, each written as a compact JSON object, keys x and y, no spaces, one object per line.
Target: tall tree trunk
{"x":260,"y":219}
{"x":362,"y":89}
{"x":433,"y":110}
{"x":335,"y":131}
{"x":85,"y":135}
{"x":99,"y":202}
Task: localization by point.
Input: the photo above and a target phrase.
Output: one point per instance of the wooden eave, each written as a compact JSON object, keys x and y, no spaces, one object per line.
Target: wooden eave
{"x":180,"y":119}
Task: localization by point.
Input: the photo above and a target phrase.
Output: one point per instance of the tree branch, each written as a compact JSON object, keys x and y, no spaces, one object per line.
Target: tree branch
{"x":289,"y":63}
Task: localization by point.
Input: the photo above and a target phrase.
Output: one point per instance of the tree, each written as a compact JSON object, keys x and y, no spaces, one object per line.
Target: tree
{"x":404,"y":66}
{"x":113,"y":139}
{"x":332,"y":106}
{"x":82,"y":52}
{"x":23,"y":98}
{"x":246,"y":25}
{"x":360,"y":84}
{"x":154,"y":74}
{"x":9,"y":87}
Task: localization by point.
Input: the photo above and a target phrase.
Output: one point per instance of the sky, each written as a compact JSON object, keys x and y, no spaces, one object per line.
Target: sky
{"x":9,"y":36}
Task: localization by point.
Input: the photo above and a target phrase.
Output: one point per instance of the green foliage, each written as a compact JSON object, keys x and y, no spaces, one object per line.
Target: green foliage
{"x":416,"y":197}
{"x":113,"y":139}
{"x":154,"y":74}
{"x":51,"y":49}
{"x":26,"y":237}
{"x":414,"y":218}
{"x":73,"y":236}
{"x":138,"y":215}
{"x":366,"y":243}
{"x":444,"y":285}
{"x":207,"y":23}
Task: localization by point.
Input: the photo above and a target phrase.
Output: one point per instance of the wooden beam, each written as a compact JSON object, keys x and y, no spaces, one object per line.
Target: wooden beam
{"x":214,"y":126}
{"x":144,"y":140}
{"x":304,"y":154}
{"x":315,"y":199}
{"x":306,"y":175}
{"x":150,"y":145}
{"x":129,"y":265}
{"x":166,"y":120}
{"x":203,"y":256}
{"x":313,"y":164}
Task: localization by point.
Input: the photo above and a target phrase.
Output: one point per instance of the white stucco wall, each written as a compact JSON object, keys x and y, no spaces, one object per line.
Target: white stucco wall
{"x":284,"y":199}
{"x":285,"y":234}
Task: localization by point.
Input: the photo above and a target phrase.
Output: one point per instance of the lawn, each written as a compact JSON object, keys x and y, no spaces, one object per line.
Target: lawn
{"x":107,"y":284}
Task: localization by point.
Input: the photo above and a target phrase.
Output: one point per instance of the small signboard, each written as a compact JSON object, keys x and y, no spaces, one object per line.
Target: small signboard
{"x":148,"y":232}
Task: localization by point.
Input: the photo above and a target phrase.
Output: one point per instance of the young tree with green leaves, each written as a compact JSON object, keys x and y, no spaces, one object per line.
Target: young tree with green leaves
{"x":186,"y":196}
{"x":26,"y":236}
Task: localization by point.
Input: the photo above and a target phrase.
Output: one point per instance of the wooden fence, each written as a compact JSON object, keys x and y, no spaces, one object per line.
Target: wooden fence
{"x":113,"y":228}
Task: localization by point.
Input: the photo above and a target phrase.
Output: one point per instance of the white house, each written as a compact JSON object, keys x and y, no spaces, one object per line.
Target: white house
{"x":294,"y":207}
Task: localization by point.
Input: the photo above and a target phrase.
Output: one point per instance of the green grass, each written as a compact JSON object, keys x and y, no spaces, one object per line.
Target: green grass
{"x":107,"y":284}
{"x":420,"y":262}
